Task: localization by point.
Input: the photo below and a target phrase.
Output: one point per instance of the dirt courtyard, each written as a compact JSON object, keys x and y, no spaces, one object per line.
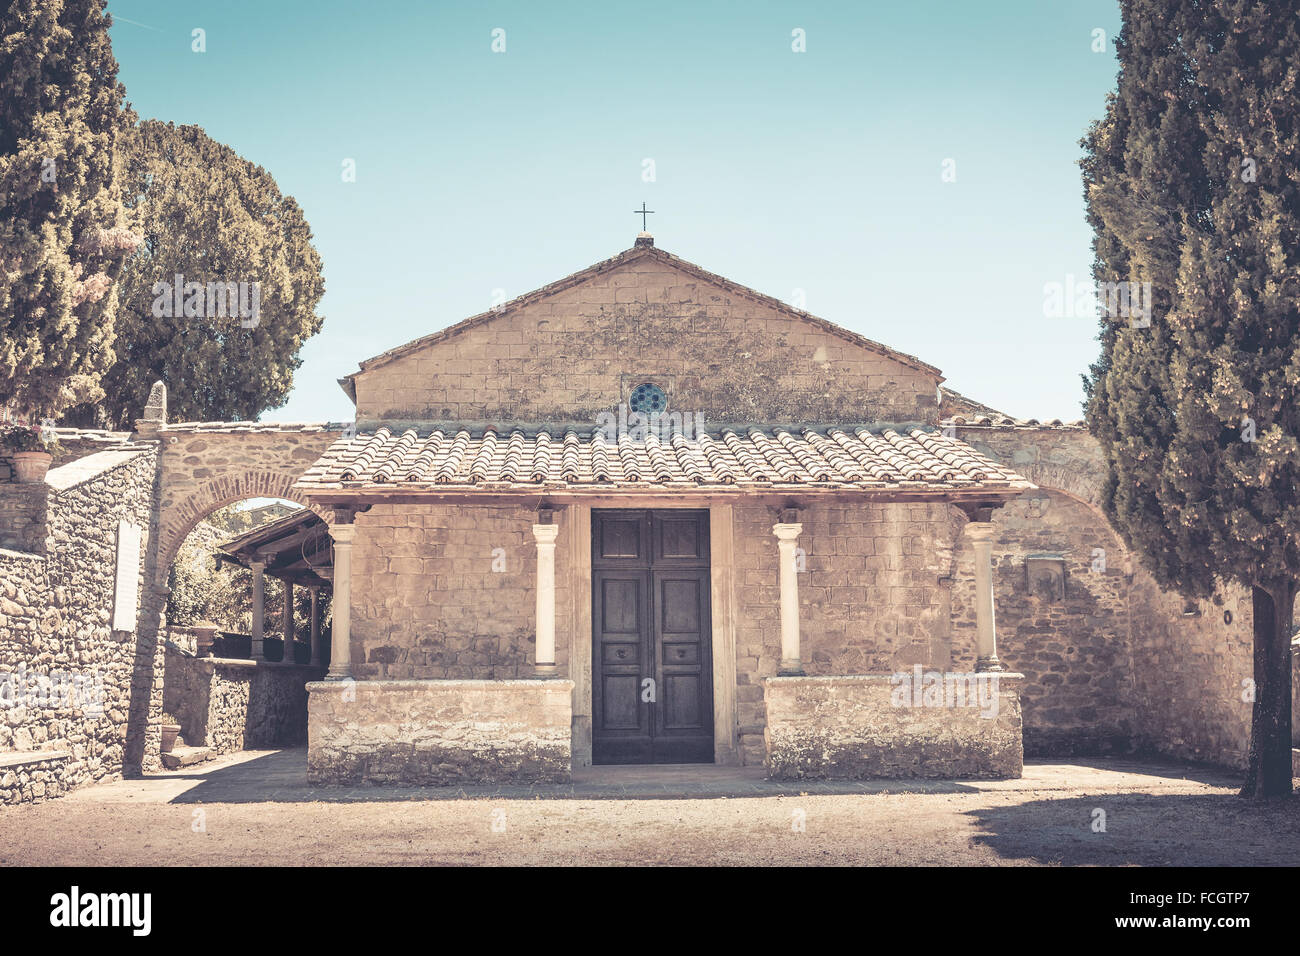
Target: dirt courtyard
{"x":257,"y":808}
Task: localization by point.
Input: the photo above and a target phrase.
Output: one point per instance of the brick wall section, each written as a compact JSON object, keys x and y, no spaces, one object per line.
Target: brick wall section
{"x":1075,"y":651}
{"x":55,"y":617}
{"x":23,"y":517}
{"x":440,"y":732}
{"x":426,"y":602}
{"x":870,"y":599}
{"x":856,"y":728}
{"x":575,"y":354}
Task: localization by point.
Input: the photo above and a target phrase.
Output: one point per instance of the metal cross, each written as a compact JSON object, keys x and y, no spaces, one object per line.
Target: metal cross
{"x":643,"y":212}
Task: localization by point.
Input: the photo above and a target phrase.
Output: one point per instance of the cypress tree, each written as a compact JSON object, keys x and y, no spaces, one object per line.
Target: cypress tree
{"x":63,"y":230}
{"x":1192,"y":184}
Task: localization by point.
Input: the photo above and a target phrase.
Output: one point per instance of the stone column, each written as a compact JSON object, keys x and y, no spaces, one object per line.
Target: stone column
{"x":340,"y":649}
{"x":786,"y":536}
{"x":259,"y":610}
{"x":545,"y":534}
{"x":313,"y":639}
{"x":981,"y":534}
{"x":286,"y":622}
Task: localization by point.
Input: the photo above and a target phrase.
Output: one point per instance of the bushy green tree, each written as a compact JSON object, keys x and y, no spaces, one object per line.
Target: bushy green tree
{"x":212,"y":217}
{"x":63,"y":230}
{"x":1193,"y":184}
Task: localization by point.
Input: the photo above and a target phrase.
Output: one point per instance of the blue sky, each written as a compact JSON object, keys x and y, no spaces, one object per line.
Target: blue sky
{"x":818,"y":171}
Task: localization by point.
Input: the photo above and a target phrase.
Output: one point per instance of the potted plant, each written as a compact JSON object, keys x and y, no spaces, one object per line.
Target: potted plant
{"x":29,"y":450}
{"x":171,"y":728}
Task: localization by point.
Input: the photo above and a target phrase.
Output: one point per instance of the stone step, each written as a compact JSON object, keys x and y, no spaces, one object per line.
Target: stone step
{"x":186,"y":756}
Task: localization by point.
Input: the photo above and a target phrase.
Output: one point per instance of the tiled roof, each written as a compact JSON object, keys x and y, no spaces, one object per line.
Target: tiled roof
{"x":1006,"y":421}
{"x":509,"y":458}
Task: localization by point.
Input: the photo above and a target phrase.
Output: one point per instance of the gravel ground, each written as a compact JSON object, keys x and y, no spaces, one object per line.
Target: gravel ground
{"x":1156,"y":819}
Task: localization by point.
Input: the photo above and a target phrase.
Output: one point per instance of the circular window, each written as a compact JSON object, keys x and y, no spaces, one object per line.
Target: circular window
{"x":648,"y":398}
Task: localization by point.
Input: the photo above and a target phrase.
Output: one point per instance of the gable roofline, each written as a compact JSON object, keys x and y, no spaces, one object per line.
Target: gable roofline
{"x":639,"y":251}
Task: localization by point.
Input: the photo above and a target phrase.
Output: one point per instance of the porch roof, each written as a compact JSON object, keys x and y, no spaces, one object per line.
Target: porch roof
{"x":896,"y":462}
{"x":295,"y":547}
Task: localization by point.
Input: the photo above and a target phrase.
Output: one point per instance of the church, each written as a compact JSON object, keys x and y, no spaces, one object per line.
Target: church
{"x":645,"y":514}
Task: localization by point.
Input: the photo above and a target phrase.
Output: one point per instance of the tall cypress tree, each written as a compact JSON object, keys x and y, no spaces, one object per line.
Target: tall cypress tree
{"x":1192,"y":184}
{"x":63,"y":230}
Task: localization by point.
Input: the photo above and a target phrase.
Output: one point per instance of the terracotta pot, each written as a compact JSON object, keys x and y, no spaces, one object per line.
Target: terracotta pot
{"x":169,"y":734}
{"x":204,"y":635}
{"x":30,"y":466}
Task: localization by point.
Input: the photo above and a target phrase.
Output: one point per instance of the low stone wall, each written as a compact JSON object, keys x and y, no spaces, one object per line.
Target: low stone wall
{"x":440,"y":732}
{"x":71,"y":685}
{"x":880,"y":725}
{"x":33,"y":776}
{"x":231,"y":705}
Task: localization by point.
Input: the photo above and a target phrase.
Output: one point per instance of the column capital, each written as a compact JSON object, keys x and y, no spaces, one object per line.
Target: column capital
{"x":787,"y":532}
{"x":343,"y":533}
{"x":546,"y":533}
{"x":981,"y":530}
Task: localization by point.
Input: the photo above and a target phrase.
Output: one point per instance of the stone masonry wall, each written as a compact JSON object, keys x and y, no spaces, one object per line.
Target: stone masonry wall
{"x":231,"y":705}
{"x":440,"y":732}
{"x":862,"y":727}
{"x":579,"y":352}
{"x":23,"y":517}
{"x":870,"y":597}
{"x":445,"y":591}
{"x":1184,"y":670}
{"x":1188,"y":673}
{"x":1072,"y":641}
{"x":56,"y":623}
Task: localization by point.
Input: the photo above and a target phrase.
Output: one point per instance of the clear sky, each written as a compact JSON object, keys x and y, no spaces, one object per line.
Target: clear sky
{"x":819,"y":171}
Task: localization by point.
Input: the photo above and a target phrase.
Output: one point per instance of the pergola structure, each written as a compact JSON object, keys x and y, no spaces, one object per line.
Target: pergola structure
{"x":297,"y":550}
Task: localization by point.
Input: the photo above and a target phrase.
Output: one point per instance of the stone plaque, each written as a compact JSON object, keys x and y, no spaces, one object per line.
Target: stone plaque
{"x":127,"y":590}
{"x":1046,"y":576}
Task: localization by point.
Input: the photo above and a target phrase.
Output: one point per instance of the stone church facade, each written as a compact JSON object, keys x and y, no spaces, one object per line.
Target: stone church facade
{"x":515,"y":571}
{"x":764,"y":578}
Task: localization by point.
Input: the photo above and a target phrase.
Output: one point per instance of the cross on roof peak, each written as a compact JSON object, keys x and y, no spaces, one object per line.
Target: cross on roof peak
{"x":643,"y":212}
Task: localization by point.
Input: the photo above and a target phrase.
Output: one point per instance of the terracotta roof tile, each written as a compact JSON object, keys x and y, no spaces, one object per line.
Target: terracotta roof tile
{"x":739,"y":458}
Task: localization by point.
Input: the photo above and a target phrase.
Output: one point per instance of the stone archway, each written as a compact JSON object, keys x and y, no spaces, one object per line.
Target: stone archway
{"x":203,"y":467}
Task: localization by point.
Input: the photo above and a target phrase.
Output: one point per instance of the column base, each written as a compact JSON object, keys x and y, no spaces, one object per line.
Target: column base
{"x":791,"y":668}
{"x":257,"y":652}
{"x":343,"y":673}
{"x":545,"y":671}
{"x":988,"y":665}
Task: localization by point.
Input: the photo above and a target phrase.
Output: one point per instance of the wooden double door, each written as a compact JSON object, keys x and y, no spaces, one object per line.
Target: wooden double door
{"x":652,"y":667}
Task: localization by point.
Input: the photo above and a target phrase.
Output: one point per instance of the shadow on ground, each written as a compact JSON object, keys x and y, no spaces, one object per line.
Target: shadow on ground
{"x":281,"y":777}
{"x":1144,"y":829}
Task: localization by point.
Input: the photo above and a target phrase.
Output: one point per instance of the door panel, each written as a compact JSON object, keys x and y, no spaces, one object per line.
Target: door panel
{"x":619,"y":621}
{"x":683,"y":724}
{"x":652,"y":667}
